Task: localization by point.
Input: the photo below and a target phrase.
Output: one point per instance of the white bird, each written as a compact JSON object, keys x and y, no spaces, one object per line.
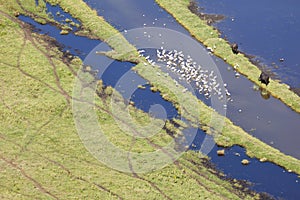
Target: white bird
{"x":204,"y":80}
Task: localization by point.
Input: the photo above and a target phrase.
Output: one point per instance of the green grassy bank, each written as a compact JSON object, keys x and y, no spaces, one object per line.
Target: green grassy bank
{"x":41,"y":155}
{"x":210,"y":38}
{"x":227,"y":136}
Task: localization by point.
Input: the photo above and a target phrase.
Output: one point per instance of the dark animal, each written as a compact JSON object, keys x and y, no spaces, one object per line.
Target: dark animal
{"x":234,"y":48}
{"x":264,"y":78}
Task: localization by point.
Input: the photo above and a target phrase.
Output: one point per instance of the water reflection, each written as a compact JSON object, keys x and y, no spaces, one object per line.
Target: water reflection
{"x":260,"y":114}
{"x":264,"y":93}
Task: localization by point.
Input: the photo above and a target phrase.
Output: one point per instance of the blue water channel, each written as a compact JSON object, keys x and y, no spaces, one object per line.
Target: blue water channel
{"x":72,"y":43}
{"x":269,"y":120}
{"x":268,"y":29}
{"x":266,"y":177}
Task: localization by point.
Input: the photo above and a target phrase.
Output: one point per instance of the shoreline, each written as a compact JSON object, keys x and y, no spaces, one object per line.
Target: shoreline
{"x":82,"y":176}
{"x":216,"y":18}
{"x":231,"y":131}
{"x":209,"y":37}
{"x":42,"y":144}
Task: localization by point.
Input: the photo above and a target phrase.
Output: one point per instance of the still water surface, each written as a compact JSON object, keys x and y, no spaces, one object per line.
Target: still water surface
{"x":268,"y":29}
{"x":283,"y":184}
{"x":269,"y":120}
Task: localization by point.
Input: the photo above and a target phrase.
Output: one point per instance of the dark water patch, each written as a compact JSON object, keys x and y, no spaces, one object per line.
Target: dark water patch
{"x":259,"y":176}
{"x":296,"y":90}
{"x":265,"y":177}
{"x":76,"y":45}
{"x":114,"y":72}
{"x":37,"y":2}
{"x":132,"y":87}
{"x":268,"y":29}
{"x":145,"y":99}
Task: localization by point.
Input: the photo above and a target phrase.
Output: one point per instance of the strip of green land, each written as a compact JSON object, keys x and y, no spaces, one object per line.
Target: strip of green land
{"x":41,"y":155}
{"x":210,"y":37}
{"x":229,"y":135}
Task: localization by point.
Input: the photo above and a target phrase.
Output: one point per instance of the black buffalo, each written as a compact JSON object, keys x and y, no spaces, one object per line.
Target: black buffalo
{"x":264,"y":78}
{"x":234,"y":48}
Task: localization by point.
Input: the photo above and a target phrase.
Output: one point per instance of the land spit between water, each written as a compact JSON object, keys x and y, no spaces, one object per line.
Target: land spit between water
{"x":38,"y":123}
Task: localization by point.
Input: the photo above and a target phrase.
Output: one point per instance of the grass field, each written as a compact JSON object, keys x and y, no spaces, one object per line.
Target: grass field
{"x":41,"y":154}
{"x":227,"y":136}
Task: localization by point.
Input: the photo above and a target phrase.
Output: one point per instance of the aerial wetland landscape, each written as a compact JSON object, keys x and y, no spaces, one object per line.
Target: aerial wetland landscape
{"x":149,"y":99}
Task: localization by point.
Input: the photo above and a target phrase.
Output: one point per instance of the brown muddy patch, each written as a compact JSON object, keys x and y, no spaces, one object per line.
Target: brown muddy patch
{"x":66,"y":56}
{"x":209,"y":18}
{"x":242,"y":186}
{"x":296,"y":91}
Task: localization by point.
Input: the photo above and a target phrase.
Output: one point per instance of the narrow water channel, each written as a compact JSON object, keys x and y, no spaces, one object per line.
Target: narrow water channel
{"x":267,"y":119}
{"x":270,"y":121}
{"x":287,"y":186}
{"x":71,"y":42}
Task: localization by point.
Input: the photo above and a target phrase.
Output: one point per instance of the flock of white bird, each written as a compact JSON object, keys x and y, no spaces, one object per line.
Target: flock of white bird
{"x":205,"y":80}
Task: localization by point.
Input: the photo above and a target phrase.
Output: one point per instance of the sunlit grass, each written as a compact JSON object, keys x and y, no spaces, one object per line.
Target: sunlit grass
{"x":42,"y":157}
{"x":230,"y":134}
{"x":209,"y":37}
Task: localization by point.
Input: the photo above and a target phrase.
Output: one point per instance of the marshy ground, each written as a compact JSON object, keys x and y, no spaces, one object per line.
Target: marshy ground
{"x":42,"y":155}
